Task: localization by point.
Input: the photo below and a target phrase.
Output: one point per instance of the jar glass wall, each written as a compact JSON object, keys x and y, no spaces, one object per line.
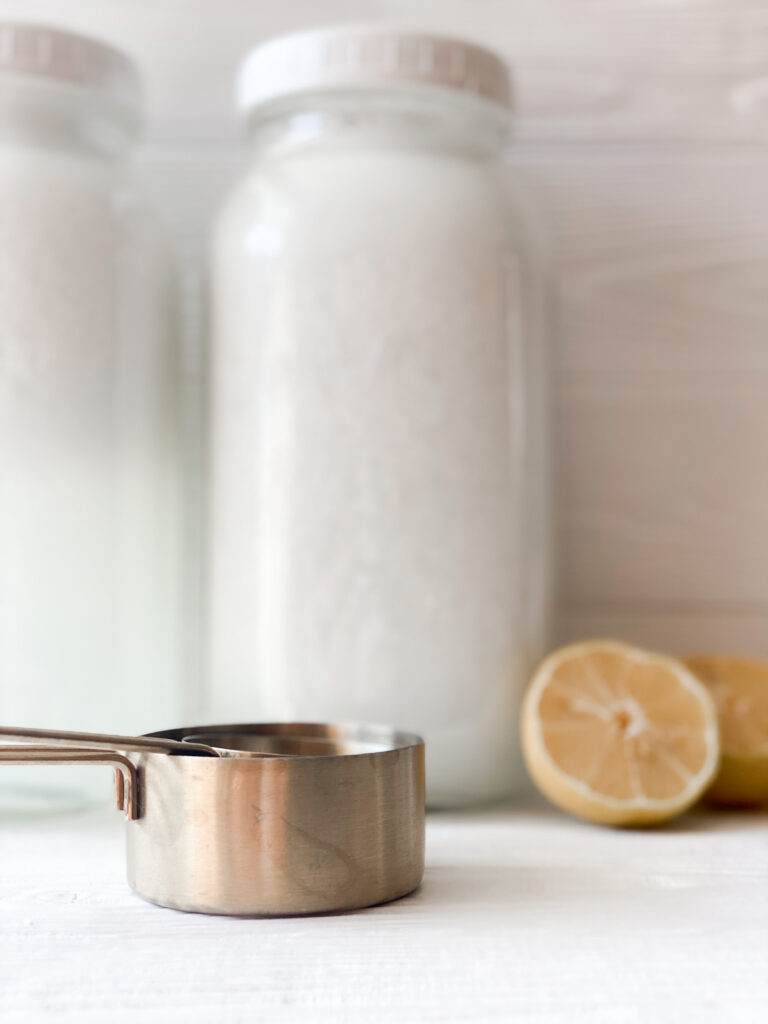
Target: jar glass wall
{"x":89,"y":441}
{"x":369,"y":444}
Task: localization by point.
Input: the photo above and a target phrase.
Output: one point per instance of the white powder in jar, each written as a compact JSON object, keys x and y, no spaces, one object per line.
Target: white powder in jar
{"x":368,"y":442}
{"x":89,"y":461}
{"x":366,"y":486}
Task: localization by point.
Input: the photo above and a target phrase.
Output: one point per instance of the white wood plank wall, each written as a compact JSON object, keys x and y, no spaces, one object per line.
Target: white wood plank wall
{"x":644,"y":126}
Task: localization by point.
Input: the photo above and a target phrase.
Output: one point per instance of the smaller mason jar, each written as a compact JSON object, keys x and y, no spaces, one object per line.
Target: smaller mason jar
{"x":377,"y":537}
{"x":89,"y":432}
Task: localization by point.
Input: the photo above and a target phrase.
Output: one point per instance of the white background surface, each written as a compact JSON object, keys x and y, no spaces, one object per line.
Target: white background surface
{"x":644,"y":128}
{"x":524,"y":915}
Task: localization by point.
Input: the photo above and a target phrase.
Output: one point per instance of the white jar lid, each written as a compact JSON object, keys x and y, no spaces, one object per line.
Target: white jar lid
{"x":365,"y":57}
{"x":42,"y":51}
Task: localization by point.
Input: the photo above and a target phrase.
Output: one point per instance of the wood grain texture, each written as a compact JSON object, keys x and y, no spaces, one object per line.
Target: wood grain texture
{"x":523,"y":915}
{"x":738,"y":629}
{"x":643,"y":126}
{"x":662,"y":498}
{"x":663,"y":262}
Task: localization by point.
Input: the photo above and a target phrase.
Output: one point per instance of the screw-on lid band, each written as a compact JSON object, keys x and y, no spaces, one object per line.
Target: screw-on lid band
{"x":339,"y":58}
{"x":42,"y":51}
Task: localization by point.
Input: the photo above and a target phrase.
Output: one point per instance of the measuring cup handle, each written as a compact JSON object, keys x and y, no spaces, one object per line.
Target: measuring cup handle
{"x":105,"y":741}
{"x":126,"y":775}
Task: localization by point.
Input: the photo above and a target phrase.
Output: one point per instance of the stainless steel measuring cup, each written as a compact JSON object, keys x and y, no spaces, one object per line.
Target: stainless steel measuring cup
{"x":276,"y":818}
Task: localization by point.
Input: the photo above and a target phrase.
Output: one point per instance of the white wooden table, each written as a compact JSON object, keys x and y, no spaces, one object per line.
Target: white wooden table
{"x":523,"y":915}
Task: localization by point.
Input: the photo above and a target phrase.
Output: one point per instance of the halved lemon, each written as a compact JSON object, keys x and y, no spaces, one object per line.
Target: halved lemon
{"x":739,"y":687}
{"x":619,"y":735}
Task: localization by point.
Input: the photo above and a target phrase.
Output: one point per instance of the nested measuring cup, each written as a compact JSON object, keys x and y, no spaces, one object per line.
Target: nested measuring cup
{"x":276,"y":818}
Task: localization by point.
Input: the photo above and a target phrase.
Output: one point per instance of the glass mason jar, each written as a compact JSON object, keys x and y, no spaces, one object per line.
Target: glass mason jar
{"x":89,"y":445}
{"x":375,"y":283}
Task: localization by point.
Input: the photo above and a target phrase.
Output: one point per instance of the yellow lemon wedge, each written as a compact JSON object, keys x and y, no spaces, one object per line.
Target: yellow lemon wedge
{"x":739,"y":687}
{"x":618,"y":735}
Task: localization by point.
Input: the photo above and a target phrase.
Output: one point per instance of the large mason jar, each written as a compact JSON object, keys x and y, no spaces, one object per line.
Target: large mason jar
{"x":375,"y":287}
{"x":89,"y":538}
